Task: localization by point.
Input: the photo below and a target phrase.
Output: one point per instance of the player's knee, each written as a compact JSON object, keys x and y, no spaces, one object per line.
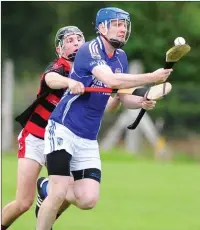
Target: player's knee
{"x":58,"y":187}
{"x":57,"y":196}
{"x":25,"y":205}
{"x":87,"y":202}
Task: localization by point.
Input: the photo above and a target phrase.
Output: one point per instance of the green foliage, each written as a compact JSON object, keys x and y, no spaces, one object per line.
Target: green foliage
{"x":28,"y":31}
{"x":25,"y":33}
{"x":29,"y":28}
{"x":155,"y":25}
{"x":180,"y":110}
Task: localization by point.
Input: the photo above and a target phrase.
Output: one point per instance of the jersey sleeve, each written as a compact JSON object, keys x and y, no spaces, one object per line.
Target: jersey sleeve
{"x":87,"y":58}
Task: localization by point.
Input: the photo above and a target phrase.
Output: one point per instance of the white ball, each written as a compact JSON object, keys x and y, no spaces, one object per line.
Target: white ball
{"x":179,"y":41}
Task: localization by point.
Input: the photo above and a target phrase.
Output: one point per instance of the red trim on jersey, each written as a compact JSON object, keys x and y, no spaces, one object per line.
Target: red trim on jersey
{"x":63,"y":62}
{"x":53,"y":99}
{"x":44,"y":113}
{"x":110,"y":55}
{"x":36,"y":130}
{"x":35,"y":117}
{"x":22,"y":143}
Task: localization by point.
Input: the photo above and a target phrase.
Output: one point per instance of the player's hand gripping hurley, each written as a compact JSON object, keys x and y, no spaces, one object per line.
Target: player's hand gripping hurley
{"x":172,"y":56}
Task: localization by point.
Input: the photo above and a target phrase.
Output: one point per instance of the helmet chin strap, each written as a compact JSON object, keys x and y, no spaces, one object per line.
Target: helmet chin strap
{"x":116,"y":43}
{"x":113,"y":42}
{"x":71,"y":57}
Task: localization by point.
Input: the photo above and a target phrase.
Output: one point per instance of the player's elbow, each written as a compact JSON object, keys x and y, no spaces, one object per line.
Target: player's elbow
{"x":130,"y":101}
{"x":112,"y":83}
{"x":52,"y":80}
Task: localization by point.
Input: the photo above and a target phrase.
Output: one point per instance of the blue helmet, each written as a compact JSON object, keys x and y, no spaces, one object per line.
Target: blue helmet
{"x":108,"y":13}
{"x":105,"y":15}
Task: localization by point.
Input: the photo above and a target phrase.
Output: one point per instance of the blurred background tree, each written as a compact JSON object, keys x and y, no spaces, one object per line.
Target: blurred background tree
{"x":28,"y":30}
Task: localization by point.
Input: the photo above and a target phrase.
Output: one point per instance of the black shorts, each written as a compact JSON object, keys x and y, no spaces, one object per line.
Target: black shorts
{"x":58,"y":163}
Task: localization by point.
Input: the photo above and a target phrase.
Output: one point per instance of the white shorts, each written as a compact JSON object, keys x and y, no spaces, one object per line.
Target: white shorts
{"x":85,"y":152}
{"x":31,"y":147}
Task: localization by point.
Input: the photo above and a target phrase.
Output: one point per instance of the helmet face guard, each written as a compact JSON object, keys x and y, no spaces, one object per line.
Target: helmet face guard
{"x":115,"y":42}
{"x":63,"y":33}
{"x":108,"y":16}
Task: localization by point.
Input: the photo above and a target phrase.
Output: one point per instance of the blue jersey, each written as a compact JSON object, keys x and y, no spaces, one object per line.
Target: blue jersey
{"x":82,"y":114}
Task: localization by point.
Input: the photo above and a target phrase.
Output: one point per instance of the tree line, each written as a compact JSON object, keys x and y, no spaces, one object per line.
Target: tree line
{"x":29,"y":28}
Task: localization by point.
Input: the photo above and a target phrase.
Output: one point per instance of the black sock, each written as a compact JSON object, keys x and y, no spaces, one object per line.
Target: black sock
{"x":36,"y":211}
{"x":4,"y":227}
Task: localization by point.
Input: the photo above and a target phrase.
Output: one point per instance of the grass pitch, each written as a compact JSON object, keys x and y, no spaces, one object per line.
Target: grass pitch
{"x":135,"y":195}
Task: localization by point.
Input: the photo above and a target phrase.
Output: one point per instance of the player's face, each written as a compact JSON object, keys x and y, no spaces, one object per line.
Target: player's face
{"x":71,"y":44}
{"x":118,"y":29}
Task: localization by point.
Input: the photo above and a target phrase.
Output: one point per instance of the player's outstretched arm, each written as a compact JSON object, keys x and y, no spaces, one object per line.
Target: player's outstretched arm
{"x":122,"y":80}
{"x":57,"y":81}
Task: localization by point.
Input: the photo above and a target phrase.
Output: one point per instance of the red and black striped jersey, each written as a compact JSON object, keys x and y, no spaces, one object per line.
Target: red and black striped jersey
{"x":34,"y":119}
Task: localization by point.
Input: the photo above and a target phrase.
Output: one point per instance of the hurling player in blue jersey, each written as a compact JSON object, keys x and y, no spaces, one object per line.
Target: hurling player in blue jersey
{"x":71,"y":134}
